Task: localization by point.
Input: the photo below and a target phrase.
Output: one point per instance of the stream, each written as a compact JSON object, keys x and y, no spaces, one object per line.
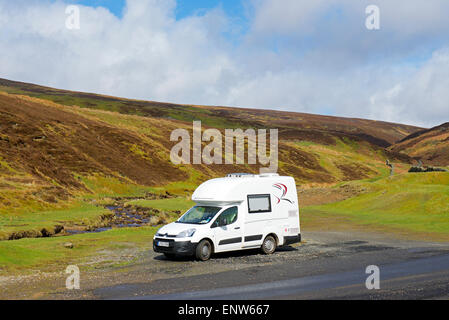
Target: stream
{"x":124,"y":217}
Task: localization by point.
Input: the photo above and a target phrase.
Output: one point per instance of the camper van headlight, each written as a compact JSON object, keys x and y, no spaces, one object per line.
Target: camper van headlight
{"x":186,"y":233}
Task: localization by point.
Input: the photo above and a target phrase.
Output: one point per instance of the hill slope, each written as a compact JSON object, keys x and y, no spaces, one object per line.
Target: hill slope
{"x":57,"y":144}
{"x":301,"y":125}
{"x":430,"y":146}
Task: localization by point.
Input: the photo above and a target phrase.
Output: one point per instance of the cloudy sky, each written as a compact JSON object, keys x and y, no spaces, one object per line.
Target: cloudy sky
{"x":313,"y":56}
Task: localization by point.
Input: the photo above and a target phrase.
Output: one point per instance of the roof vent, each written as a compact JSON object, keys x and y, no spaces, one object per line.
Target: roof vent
{"x":267,"y":175}
{"x":240,"y":175}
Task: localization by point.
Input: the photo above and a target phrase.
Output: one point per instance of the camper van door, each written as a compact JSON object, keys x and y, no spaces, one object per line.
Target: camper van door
{"x":228,"y":231}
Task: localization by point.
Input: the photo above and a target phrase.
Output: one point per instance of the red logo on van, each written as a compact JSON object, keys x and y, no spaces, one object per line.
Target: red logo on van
{"x":283,"y":188}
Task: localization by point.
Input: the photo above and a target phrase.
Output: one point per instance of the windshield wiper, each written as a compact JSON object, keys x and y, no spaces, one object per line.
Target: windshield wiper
{"x":187,"y":222}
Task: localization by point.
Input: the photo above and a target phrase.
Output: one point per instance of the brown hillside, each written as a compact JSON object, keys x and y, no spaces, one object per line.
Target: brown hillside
{"x":303,"y":126}
{"x":54,"y":144}
{"x":51,"y":141}
{"x":430,"y":146}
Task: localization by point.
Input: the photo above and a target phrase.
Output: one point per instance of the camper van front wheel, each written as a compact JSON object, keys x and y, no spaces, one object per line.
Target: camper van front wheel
{"x":204,"y":250}
{"x":269,"y":245}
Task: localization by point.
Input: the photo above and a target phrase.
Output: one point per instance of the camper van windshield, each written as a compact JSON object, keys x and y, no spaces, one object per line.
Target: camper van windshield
{"x":199,"y":215}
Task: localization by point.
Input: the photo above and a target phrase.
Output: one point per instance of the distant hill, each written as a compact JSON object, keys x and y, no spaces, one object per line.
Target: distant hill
{"x":431,"y":146}
{"x":301,"y":125}
{"x":55,"y":144}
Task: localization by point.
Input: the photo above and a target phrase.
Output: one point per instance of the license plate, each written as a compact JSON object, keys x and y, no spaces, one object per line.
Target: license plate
{"x":163,"y":244}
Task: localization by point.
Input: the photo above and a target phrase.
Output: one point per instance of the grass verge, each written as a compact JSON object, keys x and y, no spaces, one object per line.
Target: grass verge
{"x":412,"y":205}
{"x":90,"y":250}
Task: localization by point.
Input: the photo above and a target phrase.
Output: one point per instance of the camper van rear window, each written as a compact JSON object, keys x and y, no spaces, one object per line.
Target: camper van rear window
{"x":259,"y":203}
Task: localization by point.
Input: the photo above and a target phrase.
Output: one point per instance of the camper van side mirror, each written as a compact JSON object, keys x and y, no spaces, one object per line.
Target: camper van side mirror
{"x":218,"y":223}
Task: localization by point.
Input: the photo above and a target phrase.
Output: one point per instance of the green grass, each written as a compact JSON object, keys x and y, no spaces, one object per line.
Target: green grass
{"x":346,"y":153}
{"x":172,"y":204}
{"x":187,"y":186}
{"x":24,"y":213}
{"x":408,"y":203}
{"x":49,"y":254}
{"x":109,"y":187}
{"x":77,"y":213}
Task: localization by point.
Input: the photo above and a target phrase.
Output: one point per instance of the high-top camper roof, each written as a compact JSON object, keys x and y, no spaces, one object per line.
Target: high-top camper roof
{"x":234,"y":187}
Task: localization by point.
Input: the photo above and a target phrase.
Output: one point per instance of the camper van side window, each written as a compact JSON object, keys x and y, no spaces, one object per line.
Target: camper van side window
{"x":227,"y":217}
{"x":259,"y":203}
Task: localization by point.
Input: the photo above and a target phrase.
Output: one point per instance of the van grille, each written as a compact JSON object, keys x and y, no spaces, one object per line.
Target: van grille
{"x":166,"y":240}
{"x":166,"y":235}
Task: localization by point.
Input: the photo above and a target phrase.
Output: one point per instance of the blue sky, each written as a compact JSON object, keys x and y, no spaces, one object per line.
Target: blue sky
{"x":184,"y":8}
{"x":235,"y":10}
{"x":314,"y":56}
{"x":232,"y":8}
{"x":115,"y":6}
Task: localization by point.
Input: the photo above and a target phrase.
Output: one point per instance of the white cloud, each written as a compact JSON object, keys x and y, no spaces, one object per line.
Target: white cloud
{"x":423,"y":98}
{"x":304,"y":16}
{"x":147,"y":54}
{"x":306,"y":56}
{"x":288,"y":16}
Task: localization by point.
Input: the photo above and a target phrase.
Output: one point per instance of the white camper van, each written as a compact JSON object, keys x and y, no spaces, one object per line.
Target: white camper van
{"x":240,"y":211}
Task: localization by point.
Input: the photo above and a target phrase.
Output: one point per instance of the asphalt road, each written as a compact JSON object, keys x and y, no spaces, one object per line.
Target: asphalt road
{"x":327,"y":266}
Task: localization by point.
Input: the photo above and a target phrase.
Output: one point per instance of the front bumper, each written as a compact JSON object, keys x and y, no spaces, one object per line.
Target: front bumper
{"x":292,"y":239}
{"x":181,"y":248}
